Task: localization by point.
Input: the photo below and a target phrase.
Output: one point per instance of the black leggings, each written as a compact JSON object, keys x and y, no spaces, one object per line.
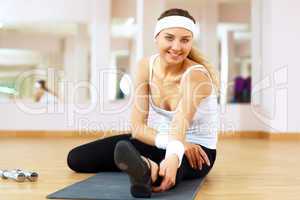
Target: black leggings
{"x":98,"y":156}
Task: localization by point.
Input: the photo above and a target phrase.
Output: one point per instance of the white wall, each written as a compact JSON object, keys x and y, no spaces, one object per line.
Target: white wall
{"x":54,"y":10}
{"x":118,"y":10}
{"x":285,"y":31}
{"x":118,"y":44}
{"x":50,"y":46}
{"x":241,"y":117}
{"x":235,"y":12}
{"x":116,"y":116}
{"x":277,"y":66}
{"x":36,"y":42}
{"x":76,"y":65}
{"x":27,"y":116}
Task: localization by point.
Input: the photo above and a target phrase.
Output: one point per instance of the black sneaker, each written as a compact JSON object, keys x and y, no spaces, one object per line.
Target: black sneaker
{"x":129,"y":160}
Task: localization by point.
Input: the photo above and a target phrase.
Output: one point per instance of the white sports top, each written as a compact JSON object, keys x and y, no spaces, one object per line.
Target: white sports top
{"x":205,"y":125}
{"x":48,"y":98}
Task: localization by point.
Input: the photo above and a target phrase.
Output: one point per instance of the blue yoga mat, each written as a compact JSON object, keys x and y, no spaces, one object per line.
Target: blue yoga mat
{"x":116,"y":186}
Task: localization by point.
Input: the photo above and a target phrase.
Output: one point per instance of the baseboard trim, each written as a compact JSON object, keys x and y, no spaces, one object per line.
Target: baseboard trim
{"x":103,"y":134}
{"x":260,"y":135}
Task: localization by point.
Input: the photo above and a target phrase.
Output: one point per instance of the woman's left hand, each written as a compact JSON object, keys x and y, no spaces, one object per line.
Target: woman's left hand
{"x":195,"y":155}
{"x":168,"y":170}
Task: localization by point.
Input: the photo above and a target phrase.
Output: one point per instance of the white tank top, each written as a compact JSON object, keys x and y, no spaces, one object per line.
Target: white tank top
{"x":205,"y":125}
{"x":48,"y":98}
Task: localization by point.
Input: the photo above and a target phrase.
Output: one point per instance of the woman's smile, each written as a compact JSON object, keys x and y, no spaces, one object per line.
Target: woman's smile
{"x":174,"y":56}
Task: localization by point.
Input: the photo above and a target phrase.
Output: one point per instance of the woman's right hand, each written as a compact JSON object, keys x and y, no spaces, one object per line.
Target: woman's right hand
{"x":168,"y":170}
{"x":196,"y":155}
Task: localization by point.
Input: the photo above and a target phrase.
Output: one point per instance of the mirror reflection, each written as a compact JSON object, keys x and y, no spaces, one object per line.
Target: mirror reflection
{"x":60,"y":53}
{"x":36,"y":57}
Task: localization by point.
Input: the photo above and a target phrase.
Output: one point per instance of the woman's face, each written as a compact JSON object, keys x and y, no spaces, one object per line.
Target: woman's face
{"x":174,"y":44}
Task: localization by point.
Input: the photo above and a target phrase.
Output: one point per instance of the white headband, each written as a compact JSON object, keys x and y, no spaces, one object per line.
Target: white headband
{"x":175,"y":21}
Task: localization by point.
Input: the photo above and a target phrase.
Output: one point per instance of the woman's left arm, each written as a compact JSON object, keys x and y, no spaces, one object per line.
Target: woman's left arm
{"x":195,"y":87}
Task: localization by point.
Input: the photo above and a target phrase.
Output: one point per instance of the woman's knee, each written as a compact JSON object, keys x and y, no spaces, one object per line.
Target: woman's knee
{"x":73,"y":160}
{"x":80,"y":161}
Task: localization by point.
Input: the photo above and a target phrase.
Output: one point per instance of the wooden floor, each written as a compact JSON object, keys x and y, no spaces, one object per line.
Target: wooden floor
{"x":246,"y":169}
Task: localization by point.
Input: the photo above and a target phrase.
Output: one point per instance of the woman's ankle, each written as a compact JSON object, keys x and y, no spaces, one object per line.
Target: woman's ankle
{"x":154,"y":168}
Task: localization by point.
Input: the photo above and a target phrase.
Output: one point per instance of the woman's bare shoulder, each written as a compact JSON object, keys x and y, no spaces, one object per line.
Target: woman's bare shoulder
{"x":190,"y":63}
{"x":144,"y":62}
{"x":143,"y":68}
{"x":195,"y":76}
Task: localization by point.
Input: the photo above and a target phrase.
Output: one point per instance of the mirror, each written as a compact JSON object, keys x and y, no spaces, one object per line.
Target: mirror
{"x":49,"y":53}
{"x":123,"y":22}
{"x":234,"y":33}
{"x":59,"y":54}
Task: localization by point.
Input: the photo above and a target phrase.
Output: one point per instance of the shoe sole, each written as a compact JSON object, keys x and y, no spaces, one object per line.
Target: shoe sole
{"x":129,"y":160}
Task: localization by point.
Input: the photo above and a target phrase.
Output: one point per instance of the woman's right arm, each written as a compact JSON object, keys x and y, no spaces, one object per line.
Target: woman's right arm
{"x":140,"y":109}
{"x":37,"y":96}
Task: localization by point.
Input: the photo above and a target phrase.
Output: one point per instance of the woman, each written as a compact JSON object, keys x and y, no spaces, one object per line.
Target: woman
{"x":173,"y":120}
{"x":43,"y":94}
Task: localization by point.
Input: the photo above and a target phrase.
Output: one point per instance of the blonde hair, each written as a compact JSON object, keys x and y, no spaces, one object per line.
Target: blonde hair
{"x":195,"y":54}
{"x":199,"y":58}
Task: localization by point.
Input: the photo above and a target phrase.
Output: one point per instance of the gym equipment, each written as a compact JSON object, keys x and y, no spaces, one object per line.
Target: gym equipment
{"x":17,"y":176}
{"x":116,"y":186}
{"x":31,"y":176}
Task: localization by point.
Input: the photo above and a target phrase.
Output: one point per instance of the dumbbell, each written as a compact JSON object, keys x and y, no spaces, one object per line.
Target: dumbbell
{"x":31,"y":176}
{"x":19,"y":177}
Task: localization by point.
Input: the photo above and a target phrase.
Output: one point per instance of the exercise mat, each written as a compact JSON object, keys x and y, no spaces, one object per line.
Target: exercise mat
{"x":116,"y":186}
